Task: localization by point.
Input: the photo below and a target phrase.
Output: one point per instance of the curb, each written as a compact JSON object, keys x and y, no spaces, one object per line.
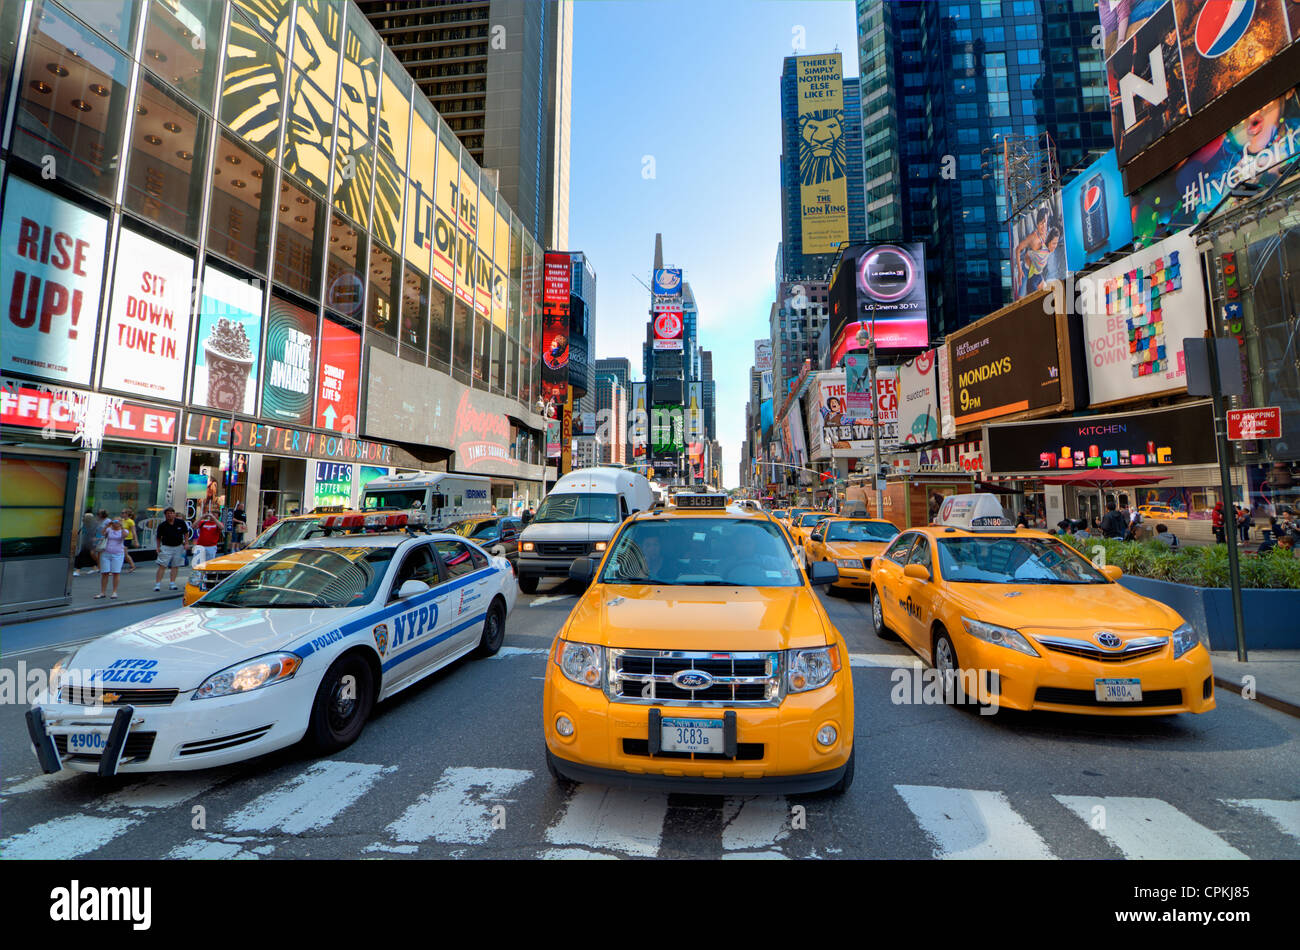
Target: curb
{"x":1273,"y":702}
{"x":13,"y":620}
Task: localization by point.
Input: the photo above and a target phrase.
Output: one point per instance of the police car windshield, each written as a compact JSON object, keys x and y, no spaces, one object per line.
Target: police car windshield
{"x":808,"y":520}
{"x":305,"y":577}
{"x":286,"y":532}
{"x":578,"y":507}
{"x":393,"y":498}
{"x":702,"y":552}
{"x":861,"y":531}
{"x":1011,"y":560}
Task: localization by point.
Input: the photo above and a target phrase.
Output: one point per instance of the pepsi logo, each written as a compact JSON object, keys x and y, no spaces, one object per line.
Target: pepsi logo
{"x":1220,"y":24}
{"x":1091,"y":197}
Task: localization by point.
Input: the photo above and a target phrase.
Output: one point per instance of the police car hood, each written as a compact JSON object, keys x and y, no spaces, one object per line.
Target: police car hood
{"x":184,"y":647}
{"x":656,"y":617}
{"x":1064,"y":609}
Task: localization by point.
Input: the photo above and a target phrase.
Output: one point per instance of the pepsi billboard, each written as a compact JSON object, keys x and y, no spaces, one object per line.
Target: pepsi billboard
{"x":1097,"y":214}
{"x":879,"y":290}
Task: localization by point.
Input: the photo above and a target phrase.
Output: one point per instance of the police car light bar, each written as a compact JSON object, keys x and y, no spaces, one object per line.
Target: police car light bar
{"x":977,"y":512}
{"x":685,"y":500}
{"x":343,"y":521}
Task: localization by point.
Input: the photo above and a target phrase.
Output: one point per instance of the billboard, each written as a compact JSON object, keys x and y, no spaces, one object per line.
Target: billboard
{"x":578,"y":334}
{"x":668,"y":282}
{"x":763,"y":356}
{"x":340,"y":378}
{"x":148,"y":319}
{"x":51,"y":268}
{"x":668,"y":326}
{"x":857,"y":376}
{"x":639,"y":421}
{"x":823,"y":155}
{"x":792,"y":437}
{"x":1097,"y":214}
{"x":879,"y":289}
{"x":1037,"y":245}
{"x":290,"y":363}
{"x":332,"y":487}
{"x":1256,"y":150}
{"x":918,"y":399}
{"x":1223,"y":43}
{"x":556,"y":295}
{"x":1145,"y":78}
{"x":694,"y":412}
{"x":229,"y":341}
{"x":1136,"y":313}
{"x":834,"y":432}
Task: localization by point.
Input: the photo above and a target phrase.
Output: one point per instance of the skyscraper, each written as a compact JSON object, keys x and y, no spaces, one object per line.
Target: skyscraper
{"x":499,"y":72}
{"x":942,"y":83}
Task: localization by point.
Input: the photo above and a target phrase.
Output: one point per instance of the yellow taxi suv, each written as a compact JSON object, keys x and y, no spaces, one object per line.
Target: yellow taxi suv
{"x":850,"y":544}
{"x":802,"y":526}
{"x":700,"y":660}
{"x":1028,"y":619}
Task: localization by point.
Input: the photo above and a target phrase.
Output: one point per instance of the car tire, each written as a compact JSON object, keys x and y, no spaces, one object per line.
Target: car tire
{"x":528,"y":583}
{"x":494,"y":630}
{"x":560,"y":780}
{"x":336,"y":721}
{"x":945,"y":662}
{"x":878,"y":625}
{"x":842,"y":786}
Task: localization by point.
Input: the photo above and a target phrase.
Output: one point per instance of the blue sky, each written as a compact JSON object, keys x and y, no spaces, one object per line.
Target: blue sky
{"x":696,"y":87}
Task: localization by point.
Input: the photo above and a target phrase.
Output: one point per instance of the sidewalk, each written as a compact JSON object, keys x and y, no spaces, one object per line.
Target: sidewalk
{"x":1276,"y":676}
{"x":134,"y":588}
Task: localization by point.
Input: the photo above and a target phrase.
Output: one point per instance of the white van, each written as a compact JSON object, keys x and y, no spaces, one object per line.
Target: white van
{"x":436,"y":499}
{"x":578,"y":518}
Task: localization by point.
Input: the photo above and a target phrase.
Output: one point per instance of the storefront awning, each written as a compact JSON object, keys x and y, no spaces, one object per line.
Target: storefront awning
{"x":1103,"y":479}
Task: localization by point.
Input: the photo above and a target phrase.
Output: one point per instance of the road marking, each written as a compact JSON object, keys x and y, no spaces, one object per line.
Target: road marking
{"x":163,"y":790}
{"x":574,"y":854}
{"x":61,"y":838}
{"x":889,"y":661}
{"x":613,"y":819}
{"x":1146,"y":828}
{"x":967,"y":823}
{"x":754,"y":824}
{"x":459,"y":810}
{"x":1286,"y":815}
{"x":549,"y":599}
{"x":755,"y":856}
{"x":519,"y":651}
{"x":310,"y":800}
{"x":39,"y":783}
{"x":206,"y":849}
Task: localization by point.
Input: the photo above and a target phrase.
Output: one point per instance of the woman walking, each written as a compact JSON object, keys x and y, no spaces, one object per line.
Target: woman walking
{"x":87,"y":557}
{"x":110,"y":559}
{"x":128,"y":525}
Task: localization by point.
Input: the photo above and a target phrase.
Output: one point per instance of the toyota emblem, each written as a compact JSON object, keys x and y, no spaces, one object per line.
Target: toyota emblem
{"x":1107,"y":639}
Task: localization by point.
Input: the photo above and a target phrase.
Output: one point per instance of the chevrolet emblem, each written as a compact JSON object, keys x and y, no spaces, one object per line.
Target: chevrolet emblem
{"x":109,"y":698}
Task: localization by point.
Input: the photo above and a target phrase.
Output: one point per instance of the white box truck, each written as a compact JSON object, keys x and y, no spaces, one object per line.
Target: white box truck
{"x":435,"y":499}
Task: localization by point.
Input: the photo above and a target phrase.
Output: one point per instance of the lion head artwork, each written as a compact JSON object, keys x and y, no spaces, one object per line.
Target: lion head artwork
{"x":821,"y":146}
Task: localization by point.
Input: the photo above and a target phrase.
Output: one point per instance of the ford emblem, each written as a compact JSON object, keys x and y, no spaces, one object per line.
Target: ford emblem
{"x":1107,"y":639}
{"x":692,"y":679}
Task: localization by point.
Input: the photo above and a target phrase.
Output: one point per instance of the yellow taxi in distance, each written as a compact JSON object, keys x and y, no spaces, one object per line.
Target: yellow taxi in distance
{"x":792,"y":515}
{"x":700,"y":659}
{"x":850,"y":544}
{"x":802,"y":526}
{"x":1025,"y":618}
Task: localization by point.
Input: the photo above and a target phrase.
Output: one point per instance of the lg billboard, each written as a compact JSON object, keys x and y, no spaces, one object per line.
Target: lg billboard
{"x":879,"y":290}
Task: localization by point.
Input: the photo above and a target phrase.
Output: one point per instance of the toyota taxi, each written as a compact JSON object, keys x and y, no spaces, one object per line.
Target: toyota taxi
{"x":850,"y":544}
{"x":298,"y":645}
{"x":700,"y":660}
{"x":1038,"y":625}
{"x":801,"y":527}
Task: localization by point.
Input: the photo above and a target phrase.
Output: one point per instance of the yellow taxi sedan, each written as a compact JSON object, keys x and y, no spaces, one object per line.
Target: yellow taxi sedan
{"x":802,"y":526}
{"x":700,"y":660}
{"x":850,"y":544}
{"x":1022,"y":618}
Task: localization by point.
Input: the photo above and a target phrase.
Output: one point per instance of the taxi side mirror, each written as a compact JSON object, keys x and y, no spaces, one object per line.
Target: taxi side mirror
{"x":583,"y":569}
{"x":917,"y":571}
{"x":1112,"y":572}
{"x":411,"y":588}
{"x":822,"y":572}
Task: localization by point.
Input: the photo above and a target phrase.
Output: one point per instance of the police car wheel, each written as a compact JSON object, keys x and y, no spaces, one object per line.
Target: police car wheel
{"x":343,"y":703}
{"x":528,"y":583}
{"x":878,"y":615}
{"x":494,"y":630}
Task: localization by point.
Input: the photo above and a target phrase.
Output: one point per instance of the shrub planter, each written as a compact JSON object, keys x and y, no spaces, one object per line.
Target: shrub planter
{"x":1272,"y":616}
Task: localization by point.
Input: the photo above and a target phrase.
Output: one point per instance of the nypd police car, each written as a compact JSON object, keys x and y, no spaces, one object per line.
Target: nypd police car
{"x":299,"y":645}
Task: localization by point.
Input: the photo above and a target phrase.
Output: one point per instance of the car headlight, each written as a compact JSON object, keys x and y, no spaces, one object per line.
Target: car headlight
{"x":848,"y":562}
{"x":600,"y":545}
{"x":250,"y":675}
{"x":811,"y":669}
{"x":527,"y":546}
{"x":1184,"y":639}
{"x":583,"y":663}
{"x":999,"y":636}
{"x":59,"y":672}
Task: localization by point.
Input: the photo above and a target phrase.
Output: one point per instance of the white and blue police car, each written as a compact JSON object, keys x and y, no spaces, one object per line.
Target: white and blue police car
{"x":298,"y":645}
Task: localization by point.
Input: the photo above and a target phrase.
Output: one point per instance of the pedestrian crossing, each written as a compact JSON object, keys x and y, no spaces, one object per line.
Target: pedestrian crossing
{"x":487,"y":812}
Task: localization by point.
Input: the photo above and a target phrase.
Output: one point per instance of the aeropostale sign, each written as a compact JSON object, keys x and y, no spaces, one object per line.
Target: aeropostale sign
{"x":219,"y":432}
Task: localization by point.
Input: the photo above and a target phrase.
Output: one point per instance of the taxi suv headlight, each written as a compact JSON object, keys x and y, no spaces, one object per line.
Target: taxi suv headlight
{"x":810,"y":669}
{"x":583,"y":663}
{"x":848,"y":562}
{"x":250,"y":675}
{"x":1184,"y":639}
{"x":998,"y":636}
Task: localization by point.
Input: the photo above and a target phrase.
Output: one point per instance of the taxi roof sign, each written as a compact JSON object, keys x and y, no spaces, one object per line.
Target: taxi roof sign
{"x":980,"y":511}
{"x":699,"y":500}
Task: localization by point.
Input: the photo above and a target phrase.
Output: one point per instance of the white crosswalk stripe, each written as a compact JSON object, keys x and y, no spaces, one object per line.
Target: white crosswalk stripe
{"x":753,"y":826}
{"x":1149,"y":828}
{"x":967,"y":823}
{"x":1286,"y":815}
{"x":612,"y":819}
{"x":884,"y":661}
{"x":310,"y":800}
{"x":459,"y":810}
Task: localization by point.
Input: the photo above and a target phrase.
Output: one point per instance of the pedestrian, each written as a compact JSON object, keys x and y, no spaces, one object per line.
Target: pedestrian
{"x":1081,"y":530}
{"x":170,"y":541}
{"x":110,"y":559}
{"x":128,"y":525}
{"x":86,"y":557}
{"x":1167,"y":537}
{"x":1022,"y":520}
{"x":1244,"y":523}
{"x":208,"y":533}
{"x":1216,"y":523}
{"x":269,"y":519}
{"x":1113,"y":525}
{"x":239,"y":521}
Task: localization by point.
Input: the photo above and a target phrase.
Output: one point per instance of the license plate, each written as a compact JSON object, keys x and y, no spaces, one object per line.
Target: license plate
{"x":1118,"y":691}
{"x":86,"y":743}
{"x":690,"y":735}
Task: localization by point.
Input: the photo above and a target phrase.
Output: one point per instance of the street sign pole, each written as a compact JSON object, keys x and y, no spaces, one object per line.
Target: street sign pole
{"x":1225,"y":477}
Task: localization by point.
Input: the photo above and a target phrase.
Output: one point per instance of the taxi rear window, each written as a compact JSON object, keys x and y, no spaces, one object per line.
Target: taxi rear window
{"x":702,"y":552}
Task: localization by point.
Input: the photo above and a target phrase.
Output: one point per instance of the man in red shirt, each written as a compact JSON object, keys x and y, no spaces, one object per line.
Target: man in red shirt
{"x":208,"y":533}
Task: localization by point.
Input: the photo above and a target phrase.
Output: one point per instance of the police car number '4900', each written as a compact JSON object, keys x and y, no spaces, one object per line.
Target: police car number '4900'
{"x":690,"y":735}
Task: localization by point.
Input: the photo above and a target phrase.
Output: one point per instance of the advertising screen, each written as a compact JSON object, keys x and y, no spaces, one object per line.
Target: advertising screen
{"x":333,"y":485}
{"x":1097,"y":215}
{"x":1223,"y":43}
{"x":835,"y":432}
{"x":230,"y":338}
{"x":668,"y":282}
{"x":555,"y":331}
{"x":918,"y":399}
{"x":668,"y":326}
{"x":1037,"y":246}
{"x":148,"y":320}
{"x":290,"y":363}
{"x":879,"y":289}
{"x":639,"y":421}
{"x":763,"y":355}
{"x":823,"y":154}
{"x":1145,"y":77}
{"x":340,"y":378}
{"x":1136,"y":313}
{"x":51,"y":267}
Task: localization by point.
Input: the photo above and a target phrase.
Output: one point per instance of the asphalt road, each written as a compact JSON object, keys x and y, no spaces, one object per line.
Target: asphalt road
{"x":454,"y":767}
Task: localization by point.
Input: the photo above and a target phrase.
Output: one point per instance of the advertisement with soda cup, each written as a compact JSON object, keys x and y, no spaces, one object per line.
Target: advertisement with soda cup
{"x":1098,"y":217}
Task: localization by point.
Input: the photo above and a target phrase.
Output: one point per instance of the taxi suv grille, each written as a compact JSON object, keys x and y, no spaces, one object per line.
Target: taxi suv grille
{"x":646,"y":676}
{"x":562,"y":548}
{"x":82,"y":696}
{"x":1084,"y":697}
{"x":1132,"y":650}
{"x":138,"y":746}
{"x":745,"y":751}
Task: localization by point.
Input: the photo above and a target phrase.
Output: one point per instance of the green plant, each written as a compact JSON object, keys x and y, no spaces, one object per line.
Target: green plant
{"x":1194,"y":565}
